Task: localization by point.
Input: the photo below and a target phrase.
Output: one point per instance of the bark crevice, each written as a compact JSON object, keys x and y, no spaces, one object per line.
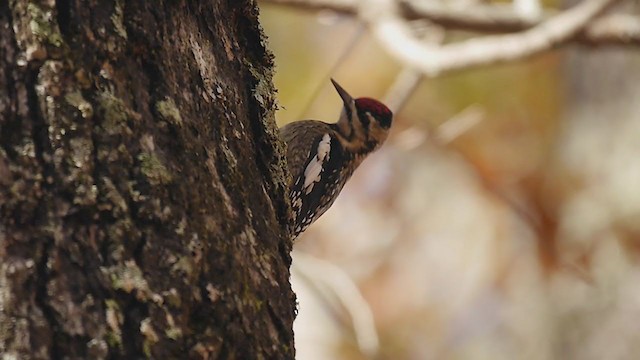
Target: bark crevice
{"x":42,"y":297}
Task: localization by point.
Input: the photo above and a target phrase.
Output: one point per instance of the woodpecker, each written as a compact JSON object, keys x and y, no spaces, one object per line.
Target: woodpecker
{"x":321,"y":157}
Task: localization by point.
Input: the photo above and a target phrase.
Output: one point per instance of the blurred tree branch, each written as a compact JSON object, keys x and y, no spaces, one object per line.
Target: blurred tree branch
{"x":395,"y":34}
{"x":527,"y":34}
{"x":348,"y":7}
{"x":614,"y":29}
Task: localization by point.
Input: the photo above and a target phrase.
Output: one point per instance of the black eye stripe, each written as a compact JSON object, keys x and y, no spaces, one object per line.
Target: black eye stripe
{"x":364,"y":118}
{"x":385,"y":120}
{"x":349,"y":113}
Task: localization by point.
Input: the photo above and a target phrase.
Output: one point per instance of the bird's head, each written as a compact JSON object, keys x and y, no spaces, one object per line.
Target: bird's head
{"x":364,"y":122}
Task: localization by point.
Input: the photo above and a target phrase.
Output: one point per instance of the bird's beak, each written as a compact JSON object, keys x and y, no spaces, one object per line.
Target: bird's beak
{"x":346,"y":98}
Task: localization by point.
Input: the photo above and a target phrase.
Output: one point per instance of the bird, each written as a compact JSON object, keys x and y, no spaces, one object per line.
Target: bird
{"x":322,"y":156}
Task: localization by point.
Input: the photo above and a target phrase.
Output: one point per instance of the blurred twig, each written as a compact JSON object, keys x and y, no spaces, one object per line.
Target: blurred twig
{"x":480,"y":18}
{"x":357,"y":36}
{"x":528,"y":8}
{"x":402,"y":88}
{"x":394,"y":33}
{"x":616,"y":29}
{"x":348,"y":7}
{"x":327,"y":277}
{"x":409,"y":78}
{"x":613,"y":29}
{"x":459,"y":124}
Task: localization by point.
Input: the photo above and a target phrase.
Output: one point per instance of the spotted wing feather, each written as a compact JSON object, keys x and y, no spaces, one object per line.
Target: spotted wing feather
{"x":297,"y":152}
{"x":315,"y":189}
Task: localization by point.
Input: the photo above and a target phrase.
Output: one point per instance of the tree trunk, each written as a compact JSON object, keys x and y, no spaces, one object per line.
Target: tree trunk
{"x":142,"y":185}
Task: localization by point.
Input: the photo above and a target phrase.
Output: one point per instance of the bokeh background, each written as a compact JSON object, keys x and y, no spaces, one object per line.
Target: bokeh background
{"x":501,"y":220}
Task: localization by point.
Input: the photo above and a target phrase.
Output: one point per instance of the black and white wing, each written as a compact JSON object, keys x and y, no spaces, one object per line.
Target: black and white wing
{"x":317,"y":186}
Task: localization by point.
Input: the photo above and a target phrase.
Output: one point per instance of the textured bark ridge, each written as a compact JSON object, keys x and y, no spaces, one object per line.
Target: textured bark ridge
{"x":142,"y":185}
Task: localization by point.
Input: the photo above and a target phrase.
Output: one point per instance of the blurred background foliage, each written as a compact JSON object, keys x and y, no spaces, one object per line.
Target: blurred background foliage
{"x":514,"y":235}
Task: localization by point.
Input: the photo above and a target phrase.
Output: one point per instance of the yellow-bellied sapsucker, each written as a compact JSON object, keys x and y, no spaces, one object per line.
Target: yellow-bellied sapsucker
{"x":321,"y":157}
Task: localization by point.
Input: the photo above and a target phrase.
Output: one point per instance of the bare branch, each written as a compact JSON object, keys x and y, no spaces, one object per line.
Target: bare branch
{"x":395,"y":34}
{"x":528,"y":8}
{"x":613,"y":29}
{"x":348,"y":7}
{"x":331,"y":279}
{"x":484,"y":18}
{"x":617,"y":29}
{"x":459,"y":124}
{"x":402,"y":88}
{"x":409,"y":79}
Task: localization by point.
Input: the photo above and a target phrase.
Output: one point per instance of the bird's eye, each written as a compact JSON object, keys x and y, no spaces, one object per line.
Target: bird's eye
{"x":385,"y":120}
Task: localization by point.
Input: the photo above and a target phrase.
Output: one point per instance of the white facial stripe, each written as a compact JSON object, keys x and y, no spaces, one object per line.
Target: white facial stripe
{"x":371,"y":118}
{"x":314,"y":169}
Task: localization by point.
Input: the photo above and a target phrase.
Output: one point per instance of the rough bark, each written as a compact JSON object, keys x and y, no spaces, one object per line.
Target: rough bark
{"x":142,"y":186}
